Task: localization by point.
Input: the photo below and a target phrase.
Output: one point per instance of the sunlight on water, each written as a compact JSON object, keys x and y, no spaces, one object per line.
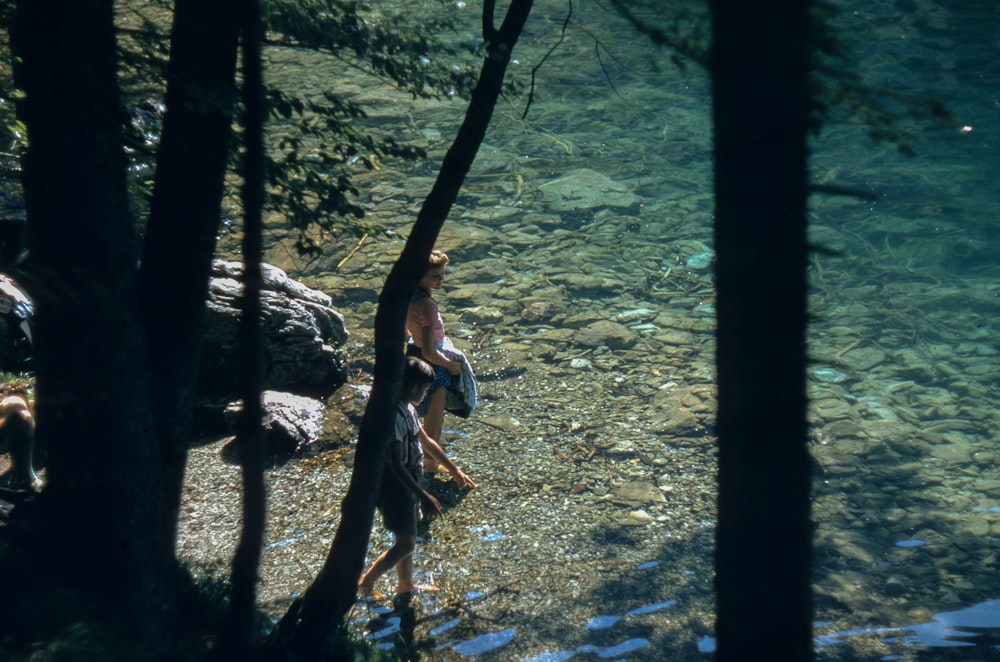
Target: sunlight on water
{"x":444,"y":627}
{"x":485,"y":643}
{"x":945,"y":630}
{"x":625,"y":647}
{"x":650,"y":609}
{"x":602,"y":622}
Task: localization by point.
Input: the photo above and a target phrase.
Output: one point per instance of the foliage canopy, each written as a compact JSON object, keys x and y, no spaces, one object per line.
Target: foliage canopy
{"x":317,"y":143}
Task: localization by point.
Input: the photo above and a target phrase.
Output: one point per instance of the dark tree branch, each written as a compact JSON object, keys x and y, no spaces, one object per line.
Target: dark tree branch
{"x":843,"y":191}
{"x":657,"y":36}
{"x":489,"y":27}
{"x":534,"y":70}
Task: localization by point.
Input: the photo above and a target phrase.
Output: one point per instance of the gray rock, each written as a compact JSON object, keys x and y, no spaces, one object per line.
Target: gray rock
{"x":539,"y":311}
{"x":344,"y":411}
{"x":290,"y":422}
{"x":303,"y":335}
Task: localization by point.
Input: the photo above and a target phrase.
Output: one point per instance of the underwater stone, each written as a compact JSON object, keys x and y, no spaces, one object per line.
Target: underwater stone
{"x":637,"y":494}
{"x":586,"y":189}
{"x":635,"y":315}
{"x":604,"y":332}
{"x":700,"y":260}
{"x":829,"y":375}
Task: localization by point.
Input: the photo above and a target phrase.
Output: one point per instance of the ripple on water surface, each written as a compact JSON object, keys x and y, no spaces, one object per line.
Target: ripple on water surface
{"x":485,"y":642}
{"x":945,"y":630}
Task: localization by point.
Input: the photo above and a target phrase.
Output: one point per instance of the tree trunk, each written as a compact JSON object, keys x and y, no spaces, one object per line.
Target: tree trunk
{"x":311,"y":618}
{"x":759,"y":72}
{"x":184,"y":219}
{"x":90,"y":356}
{"x":239,"y":638}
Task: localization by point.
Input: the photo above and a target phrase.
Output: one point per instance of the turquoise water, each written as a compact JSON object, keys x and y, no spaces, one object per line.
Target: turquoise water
{"x":922,"y":260}
{"x":598,"y":208}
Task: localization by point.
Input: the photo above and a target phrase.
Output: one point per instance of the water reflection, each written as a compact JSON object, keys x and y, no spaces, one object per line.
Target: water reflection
{"x":485,"y":642}
{"x":606,"y":652}
{"x":945,"y":630}
{"x":392,"y":630}
{"x":441,"y":629}
{"x":602,"y":622}
{"x":649,"y":609}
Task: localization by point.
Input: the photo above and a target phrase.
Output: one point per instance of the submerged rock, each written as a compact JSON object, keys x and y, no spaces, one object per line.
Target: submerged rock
{"x":587,"y":189}
{"x":538,"y":311}
{"x":605,"y":332}
{"x":636,"y":494}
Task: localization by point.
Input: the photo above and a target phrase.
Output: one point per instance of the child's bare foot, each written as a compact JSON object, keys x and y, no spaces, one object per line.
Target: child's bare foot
{"x":368,"y":591}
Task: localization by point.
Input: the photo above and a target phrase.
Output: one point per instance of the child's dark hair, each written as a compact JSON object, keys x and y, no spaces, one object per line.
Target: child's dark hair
{"x":417,"y":371}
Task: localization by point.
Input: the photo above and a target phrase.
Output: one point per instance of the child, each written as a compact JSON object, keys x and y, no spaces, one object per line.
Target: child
{"x":425,"y":328}
{"x":401,"y":497}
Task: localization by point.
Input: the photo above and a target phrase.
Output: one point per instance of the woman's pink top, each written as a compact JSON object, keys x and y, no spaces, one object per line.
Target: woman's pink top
{"x":423,"y":311}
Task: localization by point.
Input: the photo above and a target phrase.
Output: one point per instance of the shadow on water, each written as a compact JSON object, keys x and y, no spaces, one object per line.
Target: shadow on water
{"x":915,"y":574}
{"x":653,"y":609}
{"x":906,"y":573}
{"x":627,"y":617}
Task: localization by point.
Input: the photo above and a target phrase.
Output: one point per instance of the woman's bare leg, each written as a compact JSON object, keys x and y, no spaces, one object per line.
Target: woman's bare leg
{"x":433,"y":424}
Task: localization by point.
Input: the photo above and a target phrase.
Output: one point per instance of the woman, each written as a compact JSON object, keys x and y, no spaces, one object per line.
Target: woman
{"x":427,"y":339}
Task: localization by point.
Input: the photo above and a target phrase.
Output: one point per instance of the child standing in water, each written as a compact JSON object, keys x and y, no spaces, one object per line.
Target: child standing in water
{"x":425,"y":328}
{"x":401,"y":497}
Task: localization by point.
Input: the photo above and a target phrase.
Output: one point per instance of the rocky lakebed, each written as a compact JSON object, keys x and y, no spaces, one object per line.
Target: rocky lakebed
{"x":581,"y":288}
{"x":591,"y":530}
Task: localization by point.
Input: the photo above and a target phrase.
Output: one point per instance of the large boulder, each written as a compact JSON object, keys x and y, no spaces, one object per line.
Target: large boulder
{"x":303,"y":335}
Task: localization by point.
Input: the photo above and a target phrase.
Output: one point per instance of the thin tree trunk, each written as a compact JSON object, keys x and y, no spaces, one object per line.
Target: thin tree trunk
{"x":185,"y":213}
{"x":239,"y":639}
{"x":759,"y":72}
{"x":310,"y":619}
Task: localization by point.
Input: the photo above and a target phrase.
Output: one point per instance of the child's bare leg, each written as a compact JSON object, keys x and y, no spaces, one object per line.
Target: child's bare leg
{"x":404,"y":571}
{"x":402,"y":549}
{"x":433,"y":424}
{"x":367,"y":583}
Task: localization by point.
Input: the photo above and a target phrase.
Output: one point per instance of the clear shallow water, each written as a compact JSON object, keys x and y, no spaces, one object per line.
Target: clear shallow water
{"x":904,"y":388}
